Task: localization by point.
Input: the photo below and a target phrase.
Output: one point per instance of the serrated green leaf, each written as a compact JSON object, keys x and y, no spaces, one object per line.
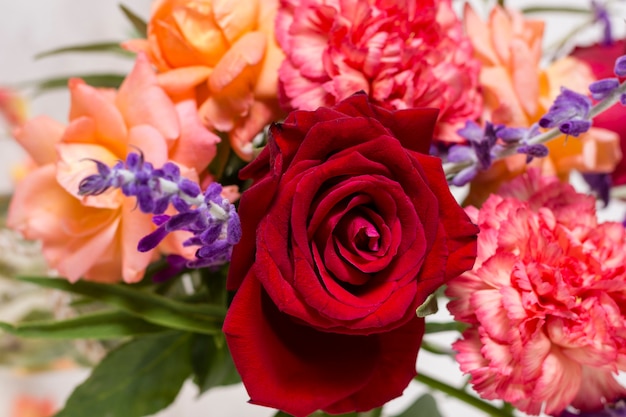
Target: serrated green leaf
{"x":113,"y":47}
{"x":137,"y":379}
{"x":138,"y":23}
{"x":212,"y":363}
{"x":424,"y":406}
{"x":102,"y":325}
{"x":94,"y":80}
{"x":153,"y":308}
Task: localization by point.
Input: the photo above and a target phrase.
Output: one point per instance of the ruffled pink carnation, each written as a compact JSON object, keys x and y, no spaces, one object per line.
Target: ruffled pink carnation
{"x":403,"y":54}
{"x":544,"y":300}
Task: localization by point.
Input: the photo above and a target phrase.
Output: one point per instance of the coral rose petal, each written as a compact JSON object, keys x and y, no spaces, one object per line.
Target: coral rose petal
{"x":196,"y":146}
{"x":237,"y":18}
{"x":150,"y":142}
{"x":142,"y":101}
{"x":135,"y":226}
{"x":38,"y":137}
{"x":75,"y":163}
{"x":93,"y":103}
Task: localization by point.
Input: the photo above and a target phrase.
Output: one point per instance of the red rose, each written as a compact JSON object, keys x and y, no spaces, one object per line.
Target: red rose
{"x":601,"y":59}
{"x":348,"y":227}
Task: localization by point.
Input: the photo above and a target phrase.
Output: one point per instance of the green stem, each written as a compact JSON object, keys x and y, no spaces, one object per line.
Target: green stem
{"x":463,"y":396}
{"x":451,"y":168}
{"x":555,"y":9}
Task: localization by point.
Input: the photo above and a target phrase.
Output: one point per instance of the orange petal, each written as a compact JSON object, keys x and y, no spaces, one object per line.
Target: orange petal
{"x":181,"y":80}
{"x":246,"y":52}
{"x":38,"y":137}
{"x":199,"y":28}
{"x":501,"y":98}
{"x":501,"y":34}
{"x":236,"y":18}
{"x":142,"y":101}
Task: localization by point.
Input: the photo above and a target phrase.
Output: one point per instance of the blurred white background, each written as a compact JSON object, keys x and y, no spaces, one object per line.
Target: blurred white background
{"x":28,"y":27}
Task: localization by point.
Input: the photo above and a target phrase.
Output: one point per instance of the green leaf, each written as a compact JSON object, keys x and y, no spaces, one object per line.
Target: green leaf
{"x":138,"y":23}
{"x":113,"y":47}
{"x":137,"y":379}
{"x":424,"y":406}
{"x":95,"y":80}
{"x":102,"y":325}
{"x":212,"y":363}
{"x":435,"y":327}
{"x":428,"y":307}
{"x":205,"y":319}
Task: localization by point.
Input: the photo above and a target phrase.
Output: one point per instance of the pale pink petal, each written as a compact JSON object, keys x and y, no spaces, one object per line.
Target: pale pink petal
{"x":598,"y":387}
{"x":559,"y":383}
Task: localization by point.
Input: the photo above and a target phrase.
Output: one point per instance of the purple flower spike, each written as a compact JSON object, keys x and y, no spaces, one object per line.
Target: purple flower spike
{"x":620,"y":66}
{"x":211,"y":219}
{"x":602,"y":88}
{"x":600,"y":184}
{"x":533,"y":151}
{"x":568,"y":112}
{"x":601,"y":15}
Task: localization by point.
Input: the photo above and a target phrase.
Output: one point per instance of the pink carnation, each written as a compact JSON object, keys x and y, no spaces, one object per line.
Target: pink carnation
{"x":543,"y":300}
{"x":404,"y":54}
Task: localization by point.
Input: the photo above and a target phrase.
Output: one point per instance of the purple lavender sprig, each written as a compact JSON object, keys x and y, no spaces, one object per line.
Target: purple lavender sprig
{"x":570,"y":114}
{"x":617,"y":409}
{"x":212,"y":219}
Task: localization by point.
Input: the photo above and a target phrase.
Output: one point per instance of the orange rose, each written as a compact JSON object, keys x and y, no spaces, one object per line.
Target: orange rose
{"x":517,"y":91}
{"x":224,"y":54}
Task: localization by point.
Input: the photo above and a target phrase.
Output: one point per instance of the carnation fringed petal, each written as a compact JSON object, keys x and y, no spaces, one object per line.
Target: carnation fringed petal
{"x":404,"y":55}
{"x":542,"y":300}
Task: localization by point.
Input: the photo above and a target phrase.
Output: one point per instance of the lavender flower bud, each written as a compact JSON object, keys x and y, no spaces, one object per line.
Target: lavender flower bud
{"x":620,"y":66}
{"x":602,"y":88}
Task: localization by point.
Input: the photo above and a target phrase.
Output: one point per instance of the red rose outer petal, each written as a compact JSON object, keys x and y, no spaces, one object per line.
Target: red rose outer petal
{"x":295,"y":367}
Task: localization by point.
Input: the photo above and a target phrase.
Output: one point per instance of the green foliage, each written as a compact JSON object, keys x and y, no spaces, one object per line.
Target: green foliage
{"x":153,"y":308}
{"x":101,"y":325}
{"x":95,"y":80}
{"x":437,"y":327}
{"x":424,"y":406}
{"x":137,"y":379}
{"x":428,"y":307}
{"x":211,"y":362}
{"x":140,"y":25}
{"x":113,"y":47}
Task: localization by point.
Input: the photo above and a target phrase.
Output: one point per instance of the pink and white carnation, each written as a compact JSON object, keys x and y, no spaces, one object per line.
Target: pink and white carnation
{"x":544,"y":300}
{"x":404,"y":54}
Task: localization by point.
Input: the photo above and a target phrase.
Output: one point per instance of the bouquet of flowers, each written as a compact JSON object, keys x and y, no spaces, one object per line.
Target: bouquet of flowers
{"x":267,"y":198}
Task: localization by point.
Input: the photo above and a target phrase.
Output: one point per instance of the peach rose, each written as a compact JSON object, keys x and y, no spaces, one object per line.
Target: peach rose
{"x":517,"y":91}
{"x":224,"y":54}
{"x":96,"y":237}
